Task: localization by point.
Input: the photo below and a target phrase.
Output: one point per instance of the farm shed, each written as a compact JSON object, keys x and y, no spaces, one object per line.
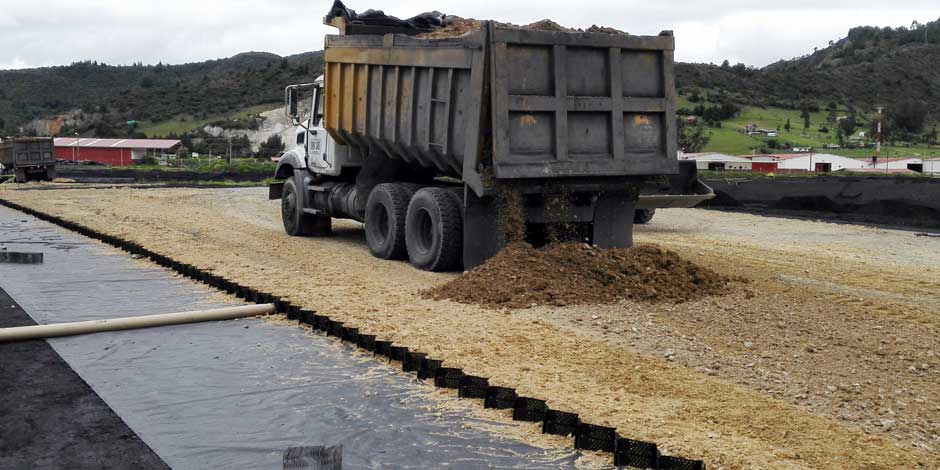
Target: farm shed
{"x":895,"y":163}
{"x":762,"y":163}
{"x":818,"y":162}
{"x":718,"y":161}
{"x":932,"y":166}
{"x":117,"y":152}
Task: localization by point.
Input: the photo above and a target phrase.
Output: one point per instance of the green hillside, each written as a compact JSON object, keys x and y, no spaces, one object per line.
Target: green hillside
{"x":109,"y":96}
{"x":730,"y":138}
{"x":184,"y":123}
{"x":896,"y":68}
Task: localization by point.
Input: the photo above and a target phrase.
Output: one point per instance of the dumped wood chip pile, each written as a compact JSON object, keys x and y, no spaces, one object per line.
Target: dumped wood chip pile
{"x":563,"y":274}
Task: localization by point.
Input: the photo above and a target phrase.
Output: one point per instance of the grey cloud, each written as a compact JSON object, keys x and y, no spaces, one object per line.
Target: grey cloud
{"x":52,"y":32}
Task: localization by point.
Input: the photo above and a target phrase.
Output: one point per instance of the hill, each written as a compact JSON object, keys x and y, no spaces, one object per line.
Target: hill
{"x":101,"y":98}
{"x":870,"y":67}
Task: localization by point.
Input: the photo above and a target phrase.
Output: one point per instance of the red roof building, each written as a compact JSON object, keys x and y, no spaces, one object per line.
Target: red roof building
{"x":116,"y":152}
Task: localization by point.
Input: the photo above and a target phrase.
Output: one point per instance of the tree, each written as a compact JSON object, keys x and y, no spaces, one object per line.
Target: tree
{"x":848,"y":125}
{"x":910,"y":115}
{"x":831,"y":117}
{"x":272,"y":146}
{"x":805,"y":115}
{"x":787,"y":125}
{"x":692,"y":138}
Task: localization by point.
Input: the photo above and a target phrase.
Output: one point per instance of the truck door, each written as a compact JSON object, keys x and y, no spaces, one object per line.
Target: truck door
{"x":318,"y":157}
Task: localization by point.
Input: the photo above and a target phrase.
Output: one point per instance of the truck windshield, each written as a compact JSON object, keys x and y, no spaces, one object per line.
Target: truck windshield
{"x":317,"y":105}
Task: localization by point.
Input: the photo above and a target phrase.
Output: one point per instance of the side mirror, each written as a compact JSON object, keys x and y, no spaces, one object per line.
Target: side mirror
{"x":292,"y":102}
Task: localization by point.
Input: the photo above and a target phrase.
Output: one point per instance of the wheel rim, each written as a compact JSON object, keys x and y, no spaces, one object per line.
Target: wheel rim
{"x":424,"y":239}
{"x":379,"y":221}
{"x":289,"y":206}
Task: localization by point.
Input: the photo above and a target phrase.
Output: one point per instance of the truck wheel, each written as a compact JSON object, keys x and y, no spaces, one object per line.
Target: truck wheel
{"x":434,"y":230}
{"x":643,"y":216}
{"x":386,"y":210}
{"x":296,"y":222}
{"x":50,"y":174}
{"x":20,"y":176}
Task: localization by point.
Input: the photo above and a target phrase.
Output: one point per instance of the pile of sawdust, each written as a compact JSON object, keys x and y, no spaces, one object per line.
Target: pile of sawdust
{"x":457,"y":26}
{"x":561,"y":274}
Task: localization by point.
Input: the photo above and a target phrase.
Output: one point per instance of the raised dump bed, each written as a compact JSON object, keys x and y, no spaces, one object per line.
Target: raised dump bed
{"x":529,"y":104}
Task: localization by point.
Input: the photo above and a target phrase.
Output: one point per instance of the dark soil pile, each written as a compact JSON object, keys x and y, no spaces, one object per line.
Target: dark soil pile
{"x":456,"y":26}
{"x":604,"y":29}
{"x":562,"y":274}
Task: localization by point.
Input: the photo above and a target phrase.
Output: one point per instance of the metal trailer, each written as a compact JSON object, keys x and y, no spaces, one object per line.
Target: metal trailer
{"x":28,"y":158}
{"x":575,"y":125}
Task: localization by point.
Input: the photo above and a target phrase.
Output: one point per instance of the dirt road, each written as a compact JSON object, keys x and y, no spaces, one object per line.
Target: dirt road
{"x":827,"y":359}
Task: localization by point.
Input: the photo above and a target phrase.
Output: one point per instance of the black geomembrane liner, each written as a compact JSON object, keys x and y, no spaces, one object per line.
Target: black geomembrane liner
{"x":587,"y":436}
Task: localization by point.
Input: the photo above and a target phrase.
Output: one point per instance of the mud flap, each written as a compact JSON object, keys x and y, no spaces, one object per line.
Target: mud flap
{"x":276,"y":190}
{"x":613,"y":220}
{"x":481,"y":235}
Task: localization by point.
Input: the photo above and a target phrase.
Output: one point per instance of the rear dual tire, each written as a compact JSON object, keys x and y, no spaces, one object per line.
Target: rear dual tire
{"x":434,"y":230}
{"x":386,"y":210}
{"x":424,"y":225}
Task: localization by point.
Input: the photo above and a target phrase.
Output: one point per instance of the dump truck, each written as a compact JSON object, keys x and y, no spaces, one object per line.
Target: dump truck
{"x":28,"y":158}
{"x":444,"y":147}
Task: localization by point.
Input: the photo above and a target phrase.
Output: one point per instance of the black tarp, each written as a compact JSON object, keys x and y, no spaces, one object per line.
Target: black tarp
{"x":237,"y":394}
{"x":428,"y":20}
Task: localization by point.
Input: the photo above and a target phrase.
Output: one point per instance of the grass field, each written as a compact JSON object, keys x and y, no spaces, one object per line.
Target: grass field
{"x":730,"y":139}
{"x":214,"y":165}
{"x":185,"y":123}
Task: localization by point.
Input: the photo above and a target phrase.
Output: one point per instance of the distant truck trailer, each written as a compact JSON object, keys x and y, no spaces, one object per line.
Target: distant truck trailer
{"x":28,"y":158}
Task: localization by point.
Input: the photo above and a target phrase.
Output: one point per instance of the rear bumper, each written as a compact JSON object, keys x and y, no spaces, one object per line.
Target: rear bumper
{"x":700,"y":192}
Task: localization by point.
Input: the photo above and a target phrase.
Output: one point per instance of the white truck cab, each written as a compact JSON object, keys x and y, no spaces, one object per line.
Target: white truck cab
{"x":318,"y":151}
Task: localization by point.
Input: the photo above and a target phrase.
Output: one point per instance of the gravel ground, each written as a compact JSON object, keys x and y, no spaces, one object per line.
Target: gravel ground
{"x":827,"y":359}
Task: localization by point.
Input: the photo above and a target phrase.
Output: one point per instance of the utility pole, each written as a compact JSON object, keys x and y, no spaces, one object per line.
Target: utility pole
{"x":78,"y":140}
{"x":878,"y":140}
{"x":230,"y":151}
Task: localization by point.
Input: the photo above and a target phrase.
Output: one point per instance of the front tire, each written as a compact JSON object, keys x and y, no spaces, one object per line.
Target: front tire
{"x":296,"y":222}
{"x":386,"y":210}
{"x":434,"y":230}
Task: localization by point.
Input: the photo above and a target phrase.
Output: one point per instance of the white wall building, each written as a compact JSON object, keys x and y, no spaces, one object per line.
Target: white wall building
{"x":895,"y":163}
{"x":718,"y":161}
{"x":932,"y":166}
{"x":823,"y":162}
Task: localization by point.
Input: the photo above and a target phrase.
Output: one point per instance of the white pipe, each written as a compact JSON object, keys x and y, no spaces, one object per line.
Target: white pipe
{"x":21,"y":333}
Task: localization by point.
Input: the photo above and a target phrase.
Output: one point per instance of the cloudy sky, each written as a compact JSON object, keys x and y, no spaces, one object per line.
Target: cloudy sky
{"x":52,"y":32}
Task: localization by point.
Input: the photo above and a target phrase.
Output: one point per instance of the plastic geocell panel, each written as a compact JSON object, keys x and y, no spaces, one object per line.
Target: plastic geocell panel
{"x":236,"y":394}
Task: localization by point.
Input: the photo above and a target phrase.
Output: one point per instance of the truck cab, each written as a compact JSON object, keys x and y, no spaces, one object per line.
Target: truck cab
{"x":313,"y":147}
